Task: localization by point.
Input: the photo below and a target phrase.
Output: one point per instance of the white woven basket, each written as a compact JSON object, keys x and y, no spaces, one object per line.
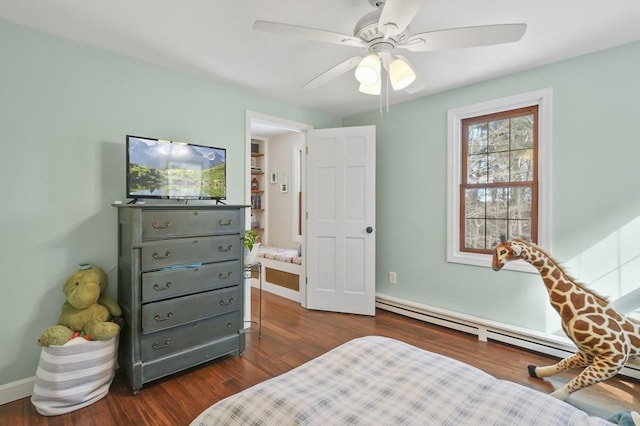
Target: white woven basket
{"x":74,"y":375}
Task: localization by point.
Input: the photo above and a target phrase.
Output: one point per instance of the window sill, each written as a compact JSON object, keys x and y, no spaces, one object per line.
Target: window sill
{"x":484,"y":260}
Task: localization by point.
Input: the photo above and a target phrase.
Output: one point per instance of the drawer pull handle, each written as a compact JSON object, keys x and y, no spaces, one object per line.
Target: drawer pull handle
{"x":225,"y":276}
{"x":157,"y":346}
{"x":228,"y":302}
{"x":159,"y":256}
{"x":159,"y":318}
{"x":158,"y":287}
{"x":229,"y":325}
{"x":158,"y":225}
{"x":229,"y":248}
{"x":227,"y":223}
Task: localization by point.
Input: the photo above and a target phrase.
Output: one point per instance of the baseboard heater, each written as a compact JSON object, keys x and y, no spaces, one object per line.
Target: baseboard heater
{"x":486,"y":330}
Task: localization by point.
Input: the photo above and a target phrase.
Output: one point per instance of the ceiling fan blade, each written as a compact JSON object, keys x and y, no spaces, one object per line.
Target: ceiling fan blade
{"x":397,"y":15}
{"x":308,"y":33}
{"x":334,"y":72}
{"x":455,"y":38}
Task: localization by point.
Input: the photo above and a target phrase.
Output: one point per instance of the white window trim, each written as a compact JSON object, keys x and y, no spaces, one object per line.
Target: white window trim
{"x":543,"y":98}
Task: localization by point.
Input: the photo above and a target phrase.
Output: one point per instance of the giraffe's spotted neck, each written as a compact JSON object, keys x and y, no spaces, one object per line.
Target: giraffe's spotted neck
{"x":560,"y":286}
{"x":542,"y":262}
{"x":550,"y":272}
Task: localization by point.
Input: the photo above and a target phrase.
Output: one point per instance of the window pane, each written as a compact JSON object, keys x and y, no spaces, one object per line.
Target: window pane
{"x":474,"y":234}
{"x":477,"y":136}
{"x":499,"y":135}
{"x":499,"y":167}
{"x":497,"y":203}
{"x":477,"y":169}
{"x":520,"y":203}
{"x":520,"y":229}
{"x":474,"y":204}
{"x":495,"y":228}
{"x":522,"y":165}
{"x":522,"y":132}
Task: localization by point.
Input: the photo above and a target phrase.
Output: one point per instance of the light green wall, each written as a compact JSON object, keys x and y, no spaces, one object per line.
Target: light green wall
{"x":595,"y":188}
{"x":65,"y":109}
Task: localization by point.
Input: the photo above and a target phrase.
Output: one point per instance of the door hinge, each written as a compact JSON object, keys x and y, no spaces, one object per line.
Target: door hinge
{"x":307,"y":149}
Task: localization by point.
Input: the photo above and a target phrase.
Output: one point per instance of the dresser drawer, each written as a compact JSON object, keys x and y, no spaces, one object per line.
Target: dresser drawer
{"x":179,"y":338}
{"x":169,"y":313}
{"x":160,"y":285}
{"x":166,"y":253}
{"x":157,"y":224}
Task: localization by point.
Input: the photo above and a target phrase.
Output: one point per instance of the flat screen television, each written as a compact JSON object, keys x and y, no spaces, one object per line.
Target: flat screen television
{"x":164,"y":169}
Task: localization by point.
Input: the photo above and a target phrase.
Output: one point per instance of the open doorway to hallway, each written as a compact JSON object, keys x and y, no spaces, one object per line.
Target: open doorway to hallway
{"x":275,"y":191}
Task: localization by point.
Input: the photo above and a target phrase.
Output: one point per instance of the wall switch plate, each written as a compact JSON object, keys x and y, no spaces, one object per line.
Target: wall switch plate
{"x":392,"y":278}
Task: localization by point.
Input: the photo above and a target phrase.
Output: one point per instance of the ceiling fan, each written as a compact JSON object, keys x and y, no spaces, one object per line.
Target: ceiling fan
{"x":383,"y":31}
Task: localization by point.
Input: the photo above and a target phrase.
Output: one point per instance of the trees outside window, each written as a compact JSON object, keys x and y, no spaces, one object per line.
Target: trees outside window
{"x":499,"y":171}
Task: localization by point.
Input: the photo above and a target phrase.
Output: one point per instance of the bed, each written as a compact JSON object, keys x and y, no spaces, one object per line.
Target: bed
{"x":376,"y":380}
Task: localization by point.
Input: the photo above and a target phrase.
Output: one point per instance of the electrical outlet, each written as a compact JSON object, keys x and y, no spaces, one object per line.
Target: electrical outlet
{"x":392,"y":278}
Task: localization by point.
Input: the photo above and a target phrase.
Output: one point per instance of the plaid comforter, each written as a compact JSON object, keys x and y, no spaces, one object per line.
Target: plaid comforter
{"x":380,"y":381}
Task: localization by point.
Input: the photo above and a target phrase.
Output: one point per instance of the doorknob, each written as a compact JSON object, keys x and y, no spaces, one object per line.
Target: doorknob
{"x":369,"y":230}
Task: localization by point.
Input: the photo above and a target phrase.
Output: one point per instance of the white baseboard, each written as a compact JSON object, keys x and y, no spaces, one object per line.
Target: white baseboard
{"x":16,"y":390}
{"x":545,"y":343}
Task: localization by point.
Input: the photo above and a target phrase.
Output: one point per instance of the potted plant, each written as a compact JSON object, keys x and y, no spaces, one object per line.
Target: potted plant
{"x":250,"y":244}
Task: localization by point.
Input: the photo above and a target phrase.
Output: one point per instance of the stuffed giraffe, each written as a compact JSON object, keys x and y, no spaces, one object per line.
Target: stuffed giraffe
{"x":606,"y":340}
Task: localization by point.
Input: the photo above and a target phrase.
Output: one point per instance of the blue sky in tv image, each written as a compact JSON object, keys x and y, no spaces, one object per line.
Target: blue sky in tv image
{"x":166,"y":169}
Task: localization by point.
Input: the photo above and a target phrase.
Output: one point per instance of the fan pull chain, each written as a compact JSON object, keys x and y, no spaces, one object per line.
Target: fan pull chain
{"x":387,"y":92}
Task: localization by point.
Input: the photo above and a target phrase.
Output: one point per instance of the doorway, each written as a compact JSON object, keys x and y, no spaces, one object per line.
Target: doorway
{"x":275,"y":179}
{"x":338,"y":252}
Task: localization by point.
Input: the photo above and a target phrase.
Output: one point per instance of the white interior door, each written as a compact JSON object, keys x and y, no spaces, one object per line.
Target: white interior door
{"x":340,"y":204}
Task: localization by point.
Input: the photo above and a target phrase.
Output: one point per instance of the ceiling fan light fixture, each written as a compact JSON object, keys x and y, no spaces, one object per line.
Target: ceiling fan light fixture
{"x":371,"y":89}
{"x":368,"y":71}
{"x":401,"y":74}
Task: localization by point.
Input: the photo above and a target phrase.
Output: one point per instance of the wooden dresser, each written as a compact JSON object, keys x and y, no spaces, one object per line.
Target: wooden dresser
{"x":180,"y":270}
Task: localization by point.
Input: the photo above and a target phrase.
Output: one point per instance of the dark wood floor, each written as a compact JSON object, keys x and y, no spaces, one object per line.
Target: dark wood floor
{"x":291,"y":336}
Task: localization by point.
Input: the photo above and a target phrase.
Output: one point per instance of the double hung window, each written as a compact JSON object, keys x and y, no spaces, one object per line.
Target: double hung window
{"x":499,"y":171}
{"x":499,"y":179}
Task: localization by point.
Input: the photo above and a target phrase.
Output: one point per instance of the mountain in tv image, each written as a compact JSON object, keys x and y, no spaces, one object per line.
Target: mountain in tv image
{"x":156,"y":154}
{"x":175,"y":170}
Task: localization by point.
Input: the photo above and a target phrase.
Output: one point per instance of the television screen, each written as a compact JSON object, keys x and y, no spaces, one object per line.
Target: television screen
{"x":158,"y":168}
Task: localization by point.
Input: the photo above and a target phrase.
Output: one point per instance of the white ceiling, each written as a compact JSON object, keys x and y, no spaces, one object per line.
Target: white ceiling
{"x":215,"y":39}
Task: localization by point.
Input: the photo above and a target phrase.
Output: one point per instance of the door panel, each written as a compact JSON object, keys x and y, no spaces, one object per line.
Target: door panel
{"x":340,"y":258}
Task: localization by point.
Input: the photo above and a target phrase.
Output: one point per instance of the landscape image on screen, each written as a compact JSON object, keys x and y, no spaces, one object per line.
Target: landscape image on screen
{"x":164,"y":169}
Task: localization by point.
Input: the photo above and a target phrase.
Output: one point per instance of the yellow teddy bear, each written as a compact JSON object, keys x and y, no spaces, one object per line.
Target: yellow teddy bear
{"x":87,"y":312}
